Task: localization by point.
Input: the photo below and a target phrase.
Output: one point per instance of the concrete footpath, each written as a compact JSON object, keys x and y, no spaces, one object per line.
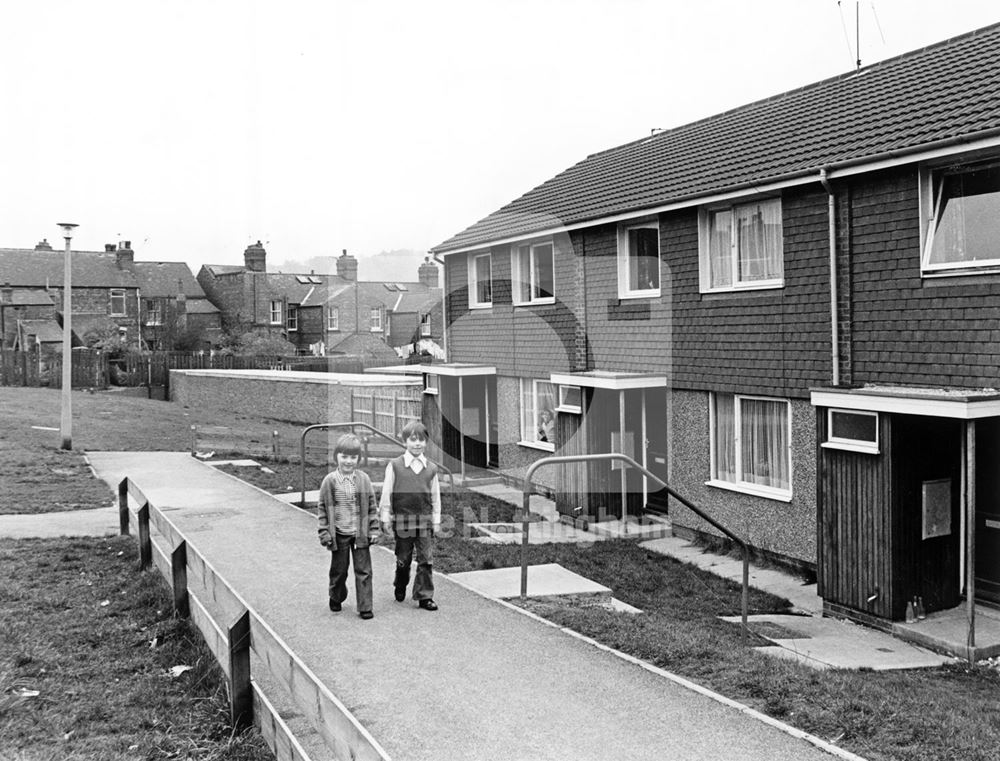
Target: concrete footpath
{"x":477,"y":679}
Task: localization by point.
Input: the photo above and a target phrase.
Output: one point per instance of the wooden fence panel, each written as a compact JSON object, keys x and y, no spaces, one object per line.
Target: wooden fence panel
{"x":215,"y":638}
{"x":276,"y":733}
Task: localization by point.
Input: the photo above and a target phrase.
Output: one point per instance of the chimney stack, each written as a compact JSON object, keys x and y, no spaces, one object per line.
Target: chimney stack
{"x":428,"y":273}
{"x":43,"y":245}
{"x":347,"y":266}
{"x":109,"y":248}
{"x":125,"y":257}
{"x":255,"y":258}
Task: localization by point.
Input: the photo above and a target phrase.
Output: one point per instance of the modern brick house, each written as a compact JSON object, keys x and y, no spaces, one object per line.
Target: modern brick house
{"x":325,"y":314}
{"x":790,"y":311}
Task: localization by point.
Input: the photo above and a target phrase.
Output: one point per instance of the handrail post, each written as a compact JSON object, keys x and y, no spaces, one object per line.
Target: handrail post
{"x":123,"y":506}
{"x":746,"y":591}
{"x":145,"y":544}
{"x":524,"y":547}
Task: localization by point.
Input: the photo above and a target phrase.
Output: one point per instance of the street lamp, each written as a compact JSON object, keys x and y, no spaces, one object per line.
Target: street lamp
{"x":66,"y":427}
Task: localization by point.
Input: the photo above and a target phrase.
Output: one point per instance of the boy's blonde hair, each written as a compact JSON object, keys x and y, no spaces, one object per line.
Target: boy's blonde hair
{"x":414,"y":428}
{"x":348,"y":444}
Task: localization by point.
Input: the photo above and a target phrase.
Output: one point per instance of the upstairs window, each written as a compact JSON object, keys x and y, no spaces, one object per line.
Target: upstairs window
{"x":639,"y":260}
{"x":293,"y":318}
{"x":154,"y":312}
{"x":751,"y":449}
{"x":117,"y":302}
{"x":376,"y":319}
{"x":332,"y":318}
{"x":532,"y":274}
{"x":741,"y":246}
{"x":425,"y":325}
{"x":961,"y":207}
{"x":276,"y":311}
{"x":481,"y":281}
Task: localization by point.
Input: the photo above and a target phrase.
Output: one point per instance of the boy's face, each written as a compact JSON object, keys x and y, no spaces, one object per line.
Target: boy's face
{"x":415,"y":445}
{"x":347,"y":462}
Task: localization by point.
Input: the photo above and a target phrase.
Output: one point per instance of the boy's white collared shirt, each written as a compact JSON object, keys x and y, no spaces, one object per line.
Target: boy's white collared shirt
{"x":416,"y":464}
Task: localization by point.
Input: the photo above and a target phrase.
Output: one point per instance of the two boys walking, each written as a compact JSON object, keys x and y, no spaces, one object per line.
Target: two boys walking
{"x":409,"y":508}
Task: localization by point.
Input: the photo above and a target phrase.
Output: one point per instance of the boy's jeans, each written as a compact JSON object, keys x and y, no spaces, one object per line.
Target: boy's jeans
{"x":423,"y":539}
{"x":340,"y":556}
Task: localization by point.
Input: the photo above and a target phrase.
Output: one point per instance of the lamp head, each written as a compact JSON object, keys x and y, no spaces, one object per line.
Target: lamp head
{"x":67,"y":228}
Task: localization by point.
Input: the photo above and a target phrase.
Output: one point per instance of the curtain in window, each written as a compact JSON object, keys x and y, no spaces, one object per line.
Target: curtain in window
{"x":543,"y":274}
{"x":758,"y":230}
{"x":521,"y":274}
{"x":720,"y":249}
{"x":968,"y":218}
{"x":725,"y":437}
{"x":643,"y":259}
{"x":538,"y":403}
{"x":764,"y":442}
{"x":484,"y":284}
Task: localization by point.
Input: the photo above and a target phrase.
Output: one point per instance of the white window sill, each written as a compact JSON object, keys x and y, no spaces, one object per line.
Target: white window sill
{"x":650,"y":294}
{"x":488,"y":305}
{"x":572,"y":410}
{"x":535,"y":302}
{"x":757,"y":491}
{"x":987,"y":269}
{"x":433,"y":391}
{"x":851,"y":446}
{"x":543,"y":446}
{"x":762,"y":286}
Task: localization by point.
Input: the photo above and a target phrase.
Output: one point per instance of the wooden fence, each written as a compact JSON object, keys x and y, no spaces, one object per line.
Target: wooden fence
{"x":232,"y":630}
{"x":387,"y":411}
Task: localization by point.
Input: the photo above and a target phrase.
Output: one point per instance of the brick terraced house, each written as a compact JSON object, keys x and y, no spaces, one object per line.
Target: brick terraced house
{"x":790,"y":311}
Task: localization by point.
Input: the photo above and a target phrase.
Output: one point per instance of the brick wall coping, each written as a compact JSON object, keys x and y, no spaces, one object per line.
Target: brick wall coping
{"x":297,"y":376}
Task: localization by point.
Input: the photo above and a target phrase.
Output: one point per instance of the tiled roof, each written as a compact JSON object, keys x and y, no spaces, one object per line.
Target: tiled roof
{"x":224,"y":269}
{"x":166,"y":279}
{"x":419,"y":302}
{"x":200,"y":306}
{"x":365,"y":345}
{"x":45,"y":331}
{"x":28,"y":298}
{"x":91,"y":269}
{"x":949,"y":91}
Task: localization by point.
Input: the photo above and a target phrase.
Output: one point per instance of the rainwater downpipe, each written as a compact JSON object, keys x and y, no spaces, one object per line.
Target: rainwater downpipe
{"x":444,"y":314}
{"x":834,"y":324}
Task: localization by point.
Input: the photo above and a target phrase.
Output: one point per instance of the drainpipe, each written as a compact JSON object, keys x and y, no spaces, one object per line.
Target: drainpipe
{"x":834,"y":324}
{"x":444,"y":312}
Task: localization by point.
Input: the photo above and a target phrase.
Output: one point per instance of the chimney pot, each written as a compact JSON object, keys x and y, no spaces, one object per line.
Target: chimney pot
{"x":43,"y":245}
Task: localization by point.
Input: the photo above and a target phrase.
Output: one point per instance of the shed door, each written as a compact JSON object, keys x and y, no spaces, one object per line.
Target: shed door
{"x":988,"y":510}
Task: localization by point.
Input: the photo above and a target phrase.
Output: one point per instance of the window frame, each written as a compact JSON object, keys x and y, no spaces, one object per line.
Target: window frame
{"x":277,"y":312}
{"x":425,"y":325}
{"x":375,"y":319}
{"x":739,"y":485}
{"x":705,"y":216}
{"x":931,"y":183}
{"x":546,"y":446}
{"x":292,"y":318}
{"x":517,"y":280}
{"x":113,"y":295}
{"x":625,"y":291}
{"x":563,"y":405}
{"x":432,"y":383}
{"x":154,"y":312}
{"x":852,"y":445}
{"x":474,"y":302}
{"x":332,"y":319}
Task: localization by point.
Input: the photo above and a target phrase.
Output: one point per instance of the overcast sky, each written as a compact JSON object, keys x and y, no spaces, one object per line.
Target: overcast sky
{"x":194,"y":128}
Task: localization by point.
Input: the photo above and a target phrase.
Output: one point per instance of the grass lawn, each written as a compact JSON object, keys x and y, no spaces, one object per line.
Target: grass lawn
{"x":936,"y":714}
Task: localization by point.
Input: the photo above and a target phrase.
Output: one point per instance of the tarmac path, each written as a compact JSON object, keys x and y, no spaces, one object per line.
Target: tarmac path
{"x":474,"y":680}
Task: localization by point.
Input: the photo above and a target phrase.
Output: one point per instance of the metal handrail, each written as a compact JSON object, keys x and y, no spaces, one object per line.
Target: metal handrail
{"x":373,"y":429}
{"x":663,"y":484}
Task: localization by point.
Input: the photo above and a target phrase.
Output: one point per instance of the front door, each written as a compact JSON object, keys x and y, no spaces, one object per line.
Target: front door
{"x":988,"y":510}
{"x":656,"y":447}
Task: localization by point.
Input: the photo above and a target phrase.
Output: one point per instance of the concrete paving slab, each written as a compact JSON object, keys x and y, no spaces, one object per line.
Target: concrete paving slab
{"x":539,"y":532}
{"x":834,"y":643}
{"x":653,"y":529}
{"x":536,"y":502}
{"x":802,"y":596}
{"x":545,"y":580}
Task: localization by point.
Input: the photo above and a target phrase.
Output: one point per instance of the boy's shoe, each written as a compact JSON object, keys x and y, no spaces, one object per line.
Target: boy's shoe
{"x":366,"y":614}
{"x":400,"y":594}
{"x":428,"y":605}
{"x":334,"y":606}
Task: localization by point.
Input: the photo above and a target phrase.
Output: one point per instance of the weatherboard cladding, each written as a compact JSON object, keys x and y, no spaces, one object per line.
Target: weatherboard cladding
{"x":943,"y":92}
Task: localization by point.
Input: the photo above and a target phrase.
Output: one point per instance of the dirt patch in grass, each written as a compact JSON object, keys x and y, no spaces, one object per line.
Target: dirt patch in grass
{"x":85,"y":661}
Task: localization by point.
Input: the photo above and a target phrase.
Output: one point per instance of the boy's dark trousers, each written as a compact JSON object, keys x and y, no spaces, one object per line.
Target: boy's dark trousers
{"x":340,"y":556}
{"x":407,"y":538}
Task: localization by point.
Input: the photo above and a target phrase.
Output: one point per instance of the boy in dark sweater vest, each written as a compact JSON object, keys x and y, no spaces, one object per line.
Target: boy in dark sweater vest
{"x":411,"y":509}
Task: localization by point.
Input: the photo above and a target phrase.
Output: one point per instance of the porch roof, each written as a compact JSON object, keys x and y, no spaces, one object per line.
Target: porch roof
{"x":457,"y":369}
{"x":960,"y":403}
{"x":610,"y":380}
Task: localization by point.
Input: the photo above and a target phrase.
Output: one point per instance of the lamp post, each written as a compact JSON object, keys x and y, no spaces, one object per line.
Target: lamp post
{"x":66,"y":426}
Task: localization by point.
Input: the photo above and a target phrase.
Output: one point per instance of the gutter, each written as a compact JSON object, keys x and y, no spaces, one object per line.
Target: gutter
{"x":834,"y":291}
